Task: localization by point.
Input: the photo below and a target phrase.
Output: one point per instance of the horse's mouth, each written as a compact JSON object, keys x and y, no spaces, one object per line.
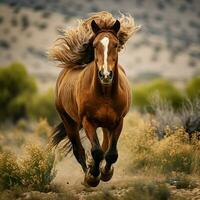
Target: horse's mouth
{"x":106,"y":82}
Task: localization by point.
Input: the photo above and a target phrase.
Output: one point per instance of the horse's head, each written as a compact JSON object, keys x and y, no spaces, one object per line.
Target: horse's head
{"x":106,"y":51}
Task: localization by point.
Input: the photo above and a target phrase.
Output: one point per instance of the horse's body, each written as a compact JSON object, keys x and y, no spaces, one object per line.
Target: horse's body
{"x":97,"y":95}
{"x":81,"y":95}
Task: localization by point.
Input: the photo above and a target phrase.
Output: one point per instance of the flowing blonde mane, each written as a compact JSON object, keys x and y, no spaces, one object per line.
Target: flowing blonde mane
{"x":74,"y":47}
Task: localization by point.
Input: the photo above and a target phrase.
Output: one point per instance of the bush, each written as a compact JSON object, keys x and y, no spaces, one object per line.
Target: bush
{"x":187,"y":117}
{"x":43,"y":129}
{"x":16,"y":88}
{"x":19,"y":98}
{"x":175,"y":152}
{"x":193,"y":88}
{"x":35,"y":170}
{"x":9,"y":171}
{"x":42,"y":106}
{"x":143,"y":93}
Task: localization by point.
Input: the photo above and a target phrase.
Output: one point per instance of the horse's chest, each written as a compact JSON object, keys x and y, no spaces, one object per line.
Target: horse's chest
{"x":104,"y":116}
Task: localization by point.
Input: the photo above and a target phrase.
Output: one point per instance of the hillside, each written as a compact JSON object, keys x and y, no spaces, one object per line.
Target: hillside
{"x":168,"y":44}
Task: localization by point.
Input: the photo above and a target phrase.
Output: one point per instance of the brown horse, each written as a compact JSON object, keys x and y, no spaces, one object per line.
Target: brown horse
{"x":97,"y":95}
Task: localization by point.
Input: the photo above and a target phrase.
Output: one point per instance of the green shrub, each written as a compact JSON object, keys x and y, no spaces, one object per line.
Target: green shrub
{"x":16,"y":88}
{"x":42,"y":106}
{"x":142,"y":94}
{"x":19,"y":98}
{"x":193,"y":88}
{"x":18,"y":107}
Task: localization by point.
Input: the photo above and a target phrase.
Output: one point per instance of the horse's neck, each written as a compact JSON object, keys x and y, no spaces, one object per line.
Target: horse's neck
{"x":99,"y":89}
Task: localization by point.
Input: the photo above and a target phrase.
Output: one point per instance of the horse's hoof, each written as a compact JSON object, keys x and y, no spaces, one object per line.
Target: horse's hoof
{"x":107,"y":175}
{"x":91,"y":180}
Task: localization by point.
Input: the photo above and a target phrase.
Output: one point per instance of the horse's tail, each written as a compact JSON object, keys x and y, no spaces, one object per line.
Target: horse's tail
{"x":59,"y":134}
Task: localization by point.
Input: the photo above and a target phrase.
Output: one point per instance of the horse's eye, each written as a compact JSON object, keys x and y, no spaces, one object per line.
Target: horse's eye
{"x":115,"y":45}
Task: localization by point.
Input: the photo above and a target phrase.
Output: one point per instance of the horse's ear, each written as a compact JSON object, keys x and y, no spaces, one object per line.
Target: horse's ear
{"x":94,"y":26}
{"x":116,"y":26}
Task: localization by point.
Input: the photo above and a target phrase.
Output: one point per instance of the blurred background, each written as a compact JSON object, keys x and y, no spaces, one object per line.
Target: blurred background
{"x":167,"y":45}
{"x":167,"y":49}
{"x":162,"y":59}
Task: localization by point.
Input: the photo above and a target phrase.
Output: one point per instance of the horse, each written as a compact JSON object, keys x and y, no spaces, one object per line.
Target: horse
{"x":93,"y":96}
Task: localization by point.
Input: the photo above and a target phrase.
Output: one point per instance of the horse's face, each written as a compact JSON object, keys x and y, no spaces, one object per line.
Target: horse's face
{"x":105,"y":52}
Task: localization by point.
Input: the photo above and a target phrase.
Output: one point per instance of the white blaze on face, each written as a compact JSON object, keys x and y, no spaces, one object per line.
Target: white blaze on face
{"x":105,"y":43}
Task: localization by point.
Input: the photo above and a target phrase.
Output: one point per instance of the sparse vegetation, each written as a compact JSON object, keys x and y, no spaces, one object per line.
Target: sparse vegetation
{"x":42,"y":106}
{"x":174,"y":153}
{"x":102,"y":195}
{"x":35,"y":170}
{"x":14,"y":21}
{"x":181,"y":181}
{"x":43,"y":129}
{"x":15,"y":93}
{"x":193,"y":88}
{"x":143,"y":93}
{"x":147,"y":190}
{"x":42,"y":25}
{"x":25,"y":22}
{"x":46,"y":14}
{"x":9,"y":171}
{"x":4,"y":44}
{"x":1,"y":19}
{"x":19,"y":98}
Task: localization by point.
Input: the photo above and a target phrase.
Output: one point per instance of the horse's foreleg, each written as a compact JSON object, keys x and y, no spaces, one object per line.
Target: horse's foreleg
{"x":112,"y":153}
{"x":92,"y":177}
{"x":105,"y":143}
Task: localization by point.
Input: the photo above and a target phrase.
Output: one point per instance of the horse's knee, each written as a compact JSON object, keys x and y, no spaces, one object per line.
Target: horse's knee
{"x":111,"y":157}
{"x":97,"y":154}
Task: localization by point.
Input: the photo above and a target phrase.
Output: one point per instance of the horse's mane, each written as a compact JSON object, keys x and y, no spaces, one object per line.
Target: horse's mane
{"x":74,"y":47}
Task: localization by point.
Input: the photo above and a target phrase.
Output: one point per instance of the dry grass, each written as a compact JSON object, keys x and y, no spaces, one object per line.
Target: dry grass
{"x":158,"y":163}
{"x":175,"y":152}
{"x":35,"y":170}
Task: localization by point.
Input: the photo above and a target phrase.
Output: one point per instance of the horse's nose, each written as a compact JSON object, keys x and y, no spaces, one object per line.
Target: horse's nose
{"x":110,"y":75}
{"x":105,"y":77}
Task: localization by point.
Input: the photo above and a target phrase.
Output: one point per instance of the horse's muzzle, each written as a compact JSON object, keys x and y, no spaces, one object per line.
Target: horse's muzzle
{"x":105,"y":79}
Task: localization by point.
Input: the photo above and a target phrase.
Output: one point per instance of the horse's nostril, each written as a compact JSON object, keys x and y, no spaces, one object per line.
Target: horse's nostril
{"x":101,"y":75}
{"x":110,"y":75}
